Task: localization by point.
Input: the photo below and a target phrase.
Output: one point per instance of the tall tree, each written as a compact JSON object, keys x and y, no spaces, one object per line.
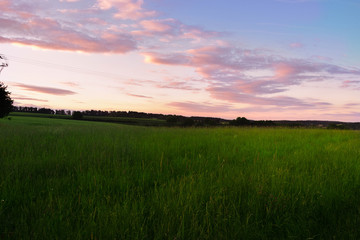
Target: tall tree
{"x":6,"y":103}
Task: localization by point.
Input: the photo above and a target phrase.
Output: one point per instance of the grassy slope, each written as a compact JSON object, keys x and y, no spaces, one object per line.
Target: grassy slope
{"x":64,"y":179}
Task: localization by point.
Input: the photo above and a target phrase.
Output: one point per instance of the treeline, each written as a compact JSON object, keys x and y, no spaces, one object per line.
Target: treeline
{"x":41,"y":110}
{"x":176,"y":120}
{"x":129,"y":114}
{"x":93,"y":113}
{"x":182,"y":121}
{"x":242,"y":121}
{"x":171,"y":120}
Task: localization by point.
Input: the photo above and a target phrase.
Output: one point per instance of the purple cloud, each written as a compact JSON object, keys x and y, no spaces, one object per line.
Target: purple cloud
{"x":182,"y":85}
{"x":71,"y":84}
{"x":227,"y":70}
{"x":19,"y":25}
{"x":354,"y":84}
{"x":296,"y":45}
{"x":234,"y":96}
{"x":169,"y":29}
{"x":126,"y":9}
{"x":137,"y":95}
{"x":29,"y":99}
{"x":194,"y":107}
{"x":108,"y":26}
{"x":47,"y":90}
{"x":166,"y":59}
{"x":51,"y":34}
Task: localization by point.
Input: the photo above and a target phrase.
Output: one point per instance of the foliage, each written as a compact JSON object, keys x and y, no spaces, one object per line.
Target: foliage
{"x":6,"y":103}
{"x":77,"y":115}
{"x":141,"y":117}
{"x":64,"y":179}
{"x":240,"y":121}
{"x":122,"y":120}
{"x":174,"y":120}
{"x":336,"y":126}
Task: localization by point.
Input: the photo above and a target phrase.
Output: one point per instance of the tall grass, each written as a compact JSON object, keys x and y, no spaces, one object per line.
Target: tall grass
{"x":64,"y":179}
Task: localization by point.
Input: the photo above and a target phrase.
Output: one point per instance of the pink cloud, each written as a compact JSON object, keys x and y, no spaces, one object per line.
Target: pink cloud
{"x":198,"y":33}
{"x":138,"y":96}
{"x":283,"y":70}
{"x":69,"y":0}
{"x":19,"y":25}
{"x":173,"y":84}
{"x":47,"y":90}
{"x":167,"y":83}
{"x":167,"y":59}
{"x":96,"y":21}
{"x":233,"y":96}
{"x":226,"y":70}
{"x":158,"y":25}
{"x":296,"y":45}
{"x":68,"y":11}
{"x":230,"y":59}
{"x":120,"y":26}
{"x":351,"y":105}
{"x":322,"y":58}
{"x":51,"y":34}
{"x":170,"y":30}
{"x":71,"y":84}
{"x":126,"y":9}
{"x":258,"y":87}
{"x":90,"y":29}
{"x":28,"y":99}
{"x":354,"y":84}
{"x":194,"y":107}
{"x":22,"y":10}
{"x":5,"y":5}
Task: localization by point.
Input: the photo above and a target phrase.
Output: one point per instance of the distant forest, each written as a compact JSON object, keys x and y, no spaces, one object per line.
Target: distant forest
{"x":178,"y":120}
{"x":98,"y":113}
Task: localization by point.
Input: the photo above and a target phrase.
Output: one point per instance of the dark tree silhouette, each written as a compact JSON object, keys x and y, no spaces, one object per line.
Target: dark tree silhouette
{"x":6,"y":103}
{"x":240,"y":121}
{"x":77,"y":115}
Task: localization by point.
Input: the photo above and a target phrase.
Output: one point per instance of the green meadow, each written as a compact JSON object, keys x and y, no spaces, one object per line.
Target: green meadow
{"x":67,"y":179}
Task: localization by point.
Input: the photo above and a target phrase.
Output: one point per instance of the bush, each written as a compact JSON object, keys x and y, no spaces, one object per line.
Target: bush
{"x":5,"y":101}
{"x":240,"y":121}
{"x":77,"y":115}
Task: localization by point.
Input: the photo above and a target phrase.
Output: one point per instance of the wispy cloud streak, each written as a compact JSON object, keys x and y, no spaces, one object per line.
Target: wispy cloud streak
{"x":47,"y":90}
{"x":138,"y":96}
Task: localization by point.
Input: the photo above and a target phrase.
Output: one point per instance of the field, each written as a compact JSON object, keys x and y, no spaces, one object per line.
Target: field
{"x":66,"y":179}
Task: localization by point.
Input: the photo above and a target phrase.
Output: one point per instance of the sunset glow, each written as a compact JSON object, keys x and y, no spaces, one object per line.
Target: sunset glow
{"x":264,"y":59}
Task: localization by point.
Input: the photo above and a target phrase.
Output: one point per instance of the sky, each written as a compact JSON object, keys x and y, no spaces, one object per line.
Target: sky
{"x":259,"y":59}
